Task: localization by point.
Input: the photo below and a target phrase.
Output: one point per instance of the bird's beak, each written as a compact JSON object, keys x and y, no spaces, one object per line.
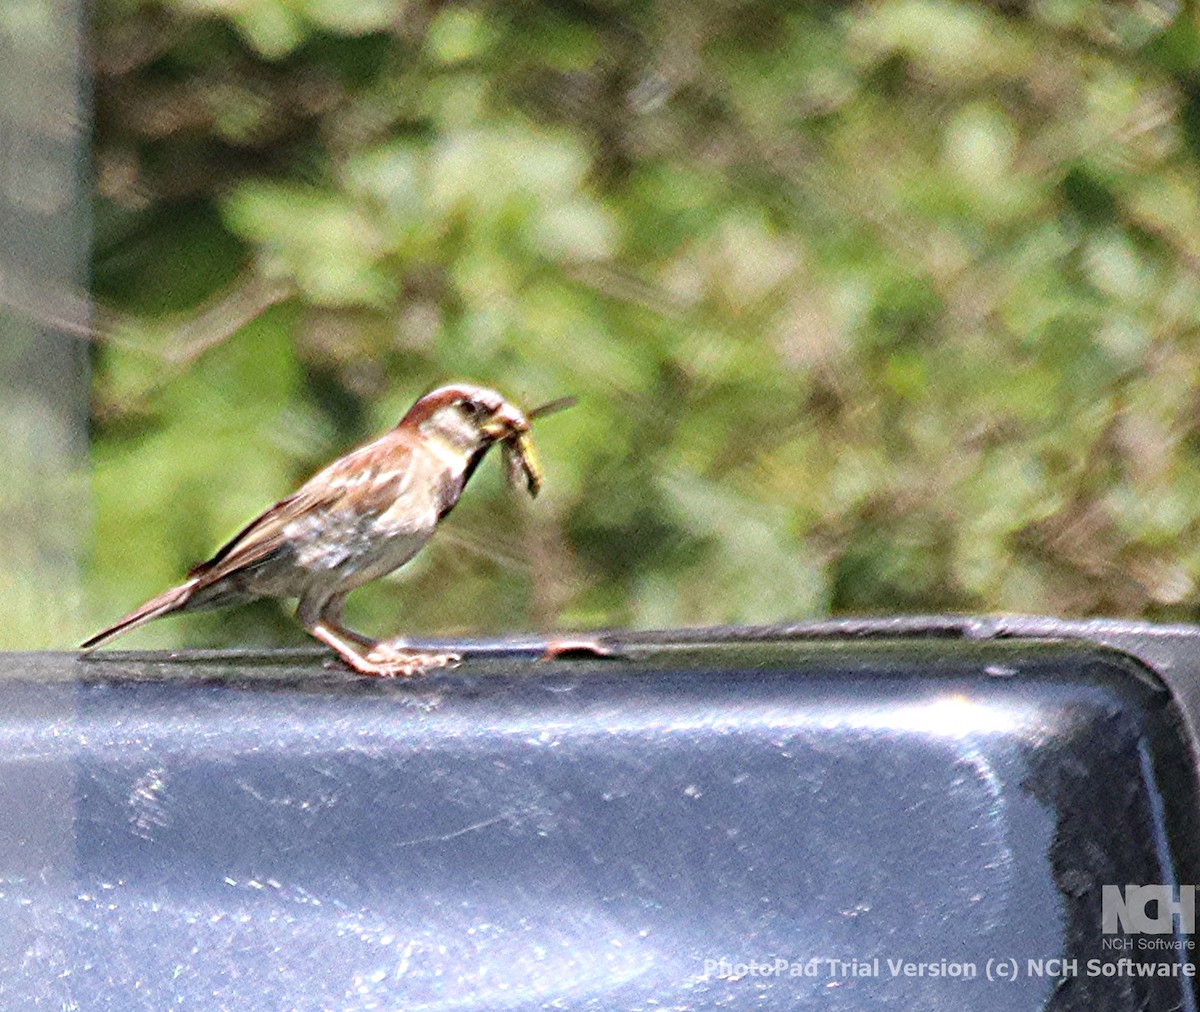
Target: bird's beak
{"x":505,"y":423}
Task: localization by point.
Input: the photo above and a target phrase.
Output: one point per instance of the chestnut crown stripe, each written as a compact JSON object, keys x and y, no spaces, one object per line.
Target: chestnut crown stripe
{"x":444,"y":397}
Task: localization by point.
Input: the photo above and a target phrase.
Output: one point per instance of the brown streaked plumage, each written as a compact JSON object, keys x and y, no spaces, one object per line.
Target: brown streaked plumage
{"x":363,"y":516}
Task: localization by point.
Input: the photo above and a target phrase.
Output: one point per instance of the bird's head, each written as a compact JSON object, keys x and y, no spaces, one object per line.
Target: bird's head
{"x":465,"y":420}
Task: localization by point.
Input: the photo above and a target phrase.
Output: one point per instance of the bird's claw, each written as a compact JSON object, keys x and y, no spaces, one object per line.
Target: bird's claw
{"x":386,"y":660}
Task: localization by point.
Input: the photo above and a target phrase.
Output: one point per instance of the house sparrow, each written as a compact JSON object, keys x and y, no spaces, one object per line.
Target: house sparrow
{"x":365,"y":515}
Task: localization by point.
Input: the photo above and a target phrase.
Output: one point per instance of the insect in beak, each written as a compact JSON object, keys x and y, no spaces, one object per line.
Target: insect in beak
{"x":521,"y":462}
{"x":519,"y":457}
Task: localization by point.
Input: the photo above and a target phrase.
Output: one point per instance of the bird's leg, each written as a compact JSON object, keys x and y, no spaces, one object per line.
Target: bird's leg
{"x":366,"y":656}
{"x":331,"y":618}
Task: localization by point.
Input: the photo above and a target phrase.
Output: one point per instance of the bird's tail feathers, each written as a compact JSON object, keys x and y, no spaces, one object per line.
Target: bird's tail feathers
{"x":166,"y":602}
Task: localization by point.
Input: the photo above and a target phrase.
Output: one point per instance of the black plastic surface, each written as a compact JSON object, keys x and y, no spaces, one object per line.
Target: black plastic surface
{"x":223,"y":831}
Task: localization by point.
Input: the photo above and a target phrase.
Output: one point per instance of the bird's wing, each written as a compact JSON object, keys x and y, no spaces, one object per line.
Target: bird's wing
{"x":360,"y":485}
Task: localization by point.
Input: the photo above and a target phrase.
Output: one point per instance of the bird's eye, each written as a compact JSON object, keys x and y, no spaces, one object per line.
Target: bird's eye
{"x":471,"y":408}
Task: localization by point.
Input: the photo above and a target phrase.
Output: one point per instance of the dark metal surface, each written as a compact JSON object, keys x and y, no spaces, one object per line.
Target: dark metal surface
{"x":236,"y":831}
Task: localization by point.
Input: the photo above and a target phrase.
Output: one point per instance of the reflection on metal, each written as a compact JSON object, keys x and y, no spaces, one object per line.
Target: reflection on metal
{"x":254,"y":831}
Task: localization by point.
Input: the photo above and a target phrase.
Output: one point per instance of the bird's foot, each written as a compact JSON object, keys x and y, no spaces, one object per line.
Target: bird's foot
{"x":382,"y":659}
{"x":386,"y":660}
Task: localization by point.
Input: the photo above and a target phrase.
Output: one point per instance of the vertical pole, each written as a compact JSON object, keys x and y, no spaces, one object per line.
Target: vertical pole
{"x":44,"y":248}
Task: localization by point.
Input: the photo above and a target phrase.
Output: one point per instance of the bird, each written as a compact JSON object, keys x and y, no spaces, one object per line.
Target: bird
{"x":363,"y":516}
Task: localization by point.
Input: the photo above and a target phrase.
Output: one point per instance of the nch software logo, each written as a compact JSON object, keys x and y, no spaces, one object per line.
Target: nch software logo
{"x":1148,"y":909}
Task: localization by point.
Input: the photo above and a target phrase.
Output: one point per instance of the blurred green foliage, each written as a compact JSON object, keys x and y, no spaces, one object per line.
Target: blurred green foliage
{"x":869,"y":307}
